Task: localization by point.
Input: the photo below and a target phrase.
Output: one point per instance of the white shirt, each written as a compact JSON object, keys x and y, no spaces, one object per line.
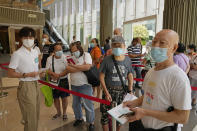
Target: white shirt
{"x":79,"y":78}
{"x":37,"y":49}
{"x":59,"y":65}
{"x":25,"y":61}
{"x":192,"y":72}
{"x":165,"y":88}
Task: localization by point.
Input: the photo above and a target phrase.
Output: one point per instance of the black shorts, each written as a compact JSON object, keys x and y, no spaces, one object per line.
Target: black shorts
{"x":63,"y":83}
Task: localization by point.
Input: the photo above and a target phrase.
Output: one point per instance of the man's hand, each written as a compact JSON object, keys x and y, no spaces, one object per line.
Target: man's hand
{"x":108,"y":97}
{"x":32,"y":74}
{"x":129,"y":104}
{"x":139,"y":113}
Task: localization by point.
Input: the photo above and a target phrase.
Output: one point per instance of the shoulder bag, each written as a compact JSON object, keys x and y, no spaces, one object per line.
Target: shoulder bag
{"x":125,"y":87}
{"x":92,"y":75}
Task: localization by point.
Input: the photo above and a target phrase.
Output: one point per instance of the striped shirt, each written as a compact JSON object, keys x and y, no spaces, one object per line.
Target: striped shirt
{"x":137,"y":49}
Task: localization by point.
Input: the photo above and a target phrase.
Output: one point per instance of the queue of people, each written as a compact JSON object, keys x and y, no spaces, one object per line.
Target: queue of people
{"x":166,"y":98}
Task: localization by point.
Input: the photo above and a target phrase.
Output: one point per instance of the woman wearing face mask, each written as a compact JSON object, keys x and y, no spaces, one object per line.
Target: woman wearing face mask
{"x":96,"y":58}
{"x":191,"y":51}
{"x":46,"y":50}
{"x":57,"y":65}
{"x":79,"y":83}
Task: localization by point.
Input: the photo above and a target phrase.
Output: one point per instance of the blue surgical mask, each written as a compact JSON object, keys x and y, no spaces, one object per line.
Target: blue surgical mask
{"x":118,"y":51}
{"x":159,"y":54}
{"x":58,"y":53}
{"x":92,"y":45}
{"x":76,"y":54}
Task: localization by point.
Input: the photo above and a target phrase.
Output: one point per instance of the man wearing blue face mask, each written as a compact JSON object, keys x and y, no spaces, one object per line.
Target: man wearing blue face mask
{"x":166,"y":85}
{"x":113,"y":89}
{"x":56,"y":66}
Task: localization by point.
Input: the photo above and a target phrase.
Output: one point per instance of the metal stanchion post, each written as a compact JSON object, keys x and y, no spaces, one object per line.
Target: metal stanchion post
{"x":114,"y":104}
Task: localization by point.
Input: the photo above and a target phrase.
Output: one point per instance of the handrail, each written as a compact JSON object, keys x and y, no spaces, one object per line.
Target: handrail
{"x":56,"y":32}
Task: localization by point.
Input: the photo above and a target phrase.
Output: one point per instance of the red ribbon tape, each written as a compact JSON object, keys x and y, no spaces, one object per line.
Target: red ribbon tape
{"x":76,"y":93}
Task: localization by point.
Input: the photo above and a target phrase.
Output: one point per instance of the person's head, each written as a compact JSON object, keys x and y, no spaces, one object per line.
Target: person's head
{"x":45,"y":37}
{"x":58,"y":50}
{"x":118,"y":31}
{"x":78,"y":42}
{"x":164,"y":45}
{"x":118,"y":46}
{"x":107,"y":41}
{"x":191,"y":49}
{"x":74,"y":37}
{"x":181,"y":48}
{"x":94,"y":43}
{"x":76,"y":49}
{"x":135,"y":41}
{"x":27,"y":36}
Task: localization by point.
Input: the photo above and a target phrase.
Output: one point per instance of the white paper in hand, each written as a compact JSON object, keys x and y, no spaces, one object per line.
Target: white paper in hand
{"x":129,"y":97}
{"x":119,"y":113}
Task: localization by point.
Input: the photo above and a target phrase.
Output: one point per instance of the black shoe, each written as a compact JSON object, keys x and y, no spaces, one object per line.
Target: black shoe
{"x":91,"y":127}
{"x":78,"y":122}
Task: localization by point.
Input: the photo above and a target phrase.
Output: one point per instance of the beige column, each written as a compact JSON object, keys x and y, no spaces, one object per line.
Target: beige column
{"x":106,"y":19}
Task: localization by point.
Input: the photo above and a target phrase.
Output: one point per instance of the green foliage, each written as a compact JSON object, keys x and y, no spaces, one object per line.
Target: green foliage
{"x":142,"y":32}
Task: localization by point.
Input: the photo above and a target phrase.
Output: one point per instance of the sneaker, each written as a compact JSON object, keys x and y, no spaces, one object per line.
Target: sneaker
{"x":91,"y":127}
{"x":55,"y":116}
{"x":78,"y":122}
{"x":65,"y":117}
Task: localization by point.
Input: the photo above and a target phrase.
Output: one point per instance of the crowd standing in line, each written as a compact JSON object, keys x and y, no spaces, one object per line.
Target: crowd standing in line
{"x":165,"y":84}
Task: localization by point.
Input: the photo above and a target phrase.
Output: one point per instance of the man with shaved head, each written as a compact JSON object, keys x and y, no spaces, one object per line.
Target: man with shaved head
{"x":118,"y":31}
{"x":167,"y":97}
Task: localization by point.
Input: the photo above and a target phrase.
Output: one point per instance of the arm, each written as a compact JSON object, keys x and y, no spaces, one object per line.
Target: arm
{"x":176,"y":116}
{"x":135,"y":55}
{"x":13,"y":74}
{"x":84,"y":67}
{"x":144,"y":61}
{"x":70,"y":69}
{"x":130,"y":81}
{"x":134,"y":103}
{"x":103,"y":85}
{"x":40,"y":59}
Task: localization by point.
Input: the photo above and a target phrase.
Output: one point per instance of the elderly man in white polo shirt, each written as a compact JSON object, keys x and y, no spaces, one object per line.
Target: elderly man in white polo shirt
{"x":165,"y":85}
{"x":24,"y":65}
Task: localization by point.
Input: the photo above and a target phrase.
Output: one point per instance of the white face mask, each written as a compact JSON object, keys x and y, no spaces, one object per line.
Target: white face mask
{"x":44,"y":40}
{"x":28,"y":43}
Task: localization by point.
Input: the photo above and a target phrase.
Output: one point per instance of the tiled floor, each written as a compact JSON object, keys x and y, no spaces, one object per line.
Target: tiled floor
{"x":10,"y":115}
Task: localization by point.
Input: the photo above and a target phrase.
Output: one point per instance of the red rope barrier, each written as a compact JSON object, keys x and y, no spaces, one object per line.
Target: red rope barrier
{"x":136,"y":79}
{"x":138,"y":65}
{"x":76,"y":93}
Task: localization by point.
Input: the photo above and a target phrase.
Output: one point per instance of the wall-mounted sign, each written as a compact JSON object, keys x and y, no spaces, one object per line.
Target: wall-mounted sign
{"x":32,"y":16}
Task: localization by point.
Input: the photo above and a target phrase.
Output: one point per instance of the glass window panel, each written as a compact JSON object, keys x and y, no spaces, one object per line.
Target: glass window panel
{"x":81,"y":6}
{"x":88,"y":5}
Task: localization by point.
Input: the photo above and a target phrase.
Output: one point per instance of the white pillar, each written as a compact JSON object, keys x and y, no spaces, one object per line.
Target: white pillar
{"x":93,"y":19}
{"x":140,"y":4}
{"x":65,"y":20}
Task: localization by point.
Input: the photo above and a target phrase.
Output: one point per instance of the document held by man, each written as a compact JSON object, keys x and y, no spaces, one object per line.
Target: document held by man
{"x":119,"y":113}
